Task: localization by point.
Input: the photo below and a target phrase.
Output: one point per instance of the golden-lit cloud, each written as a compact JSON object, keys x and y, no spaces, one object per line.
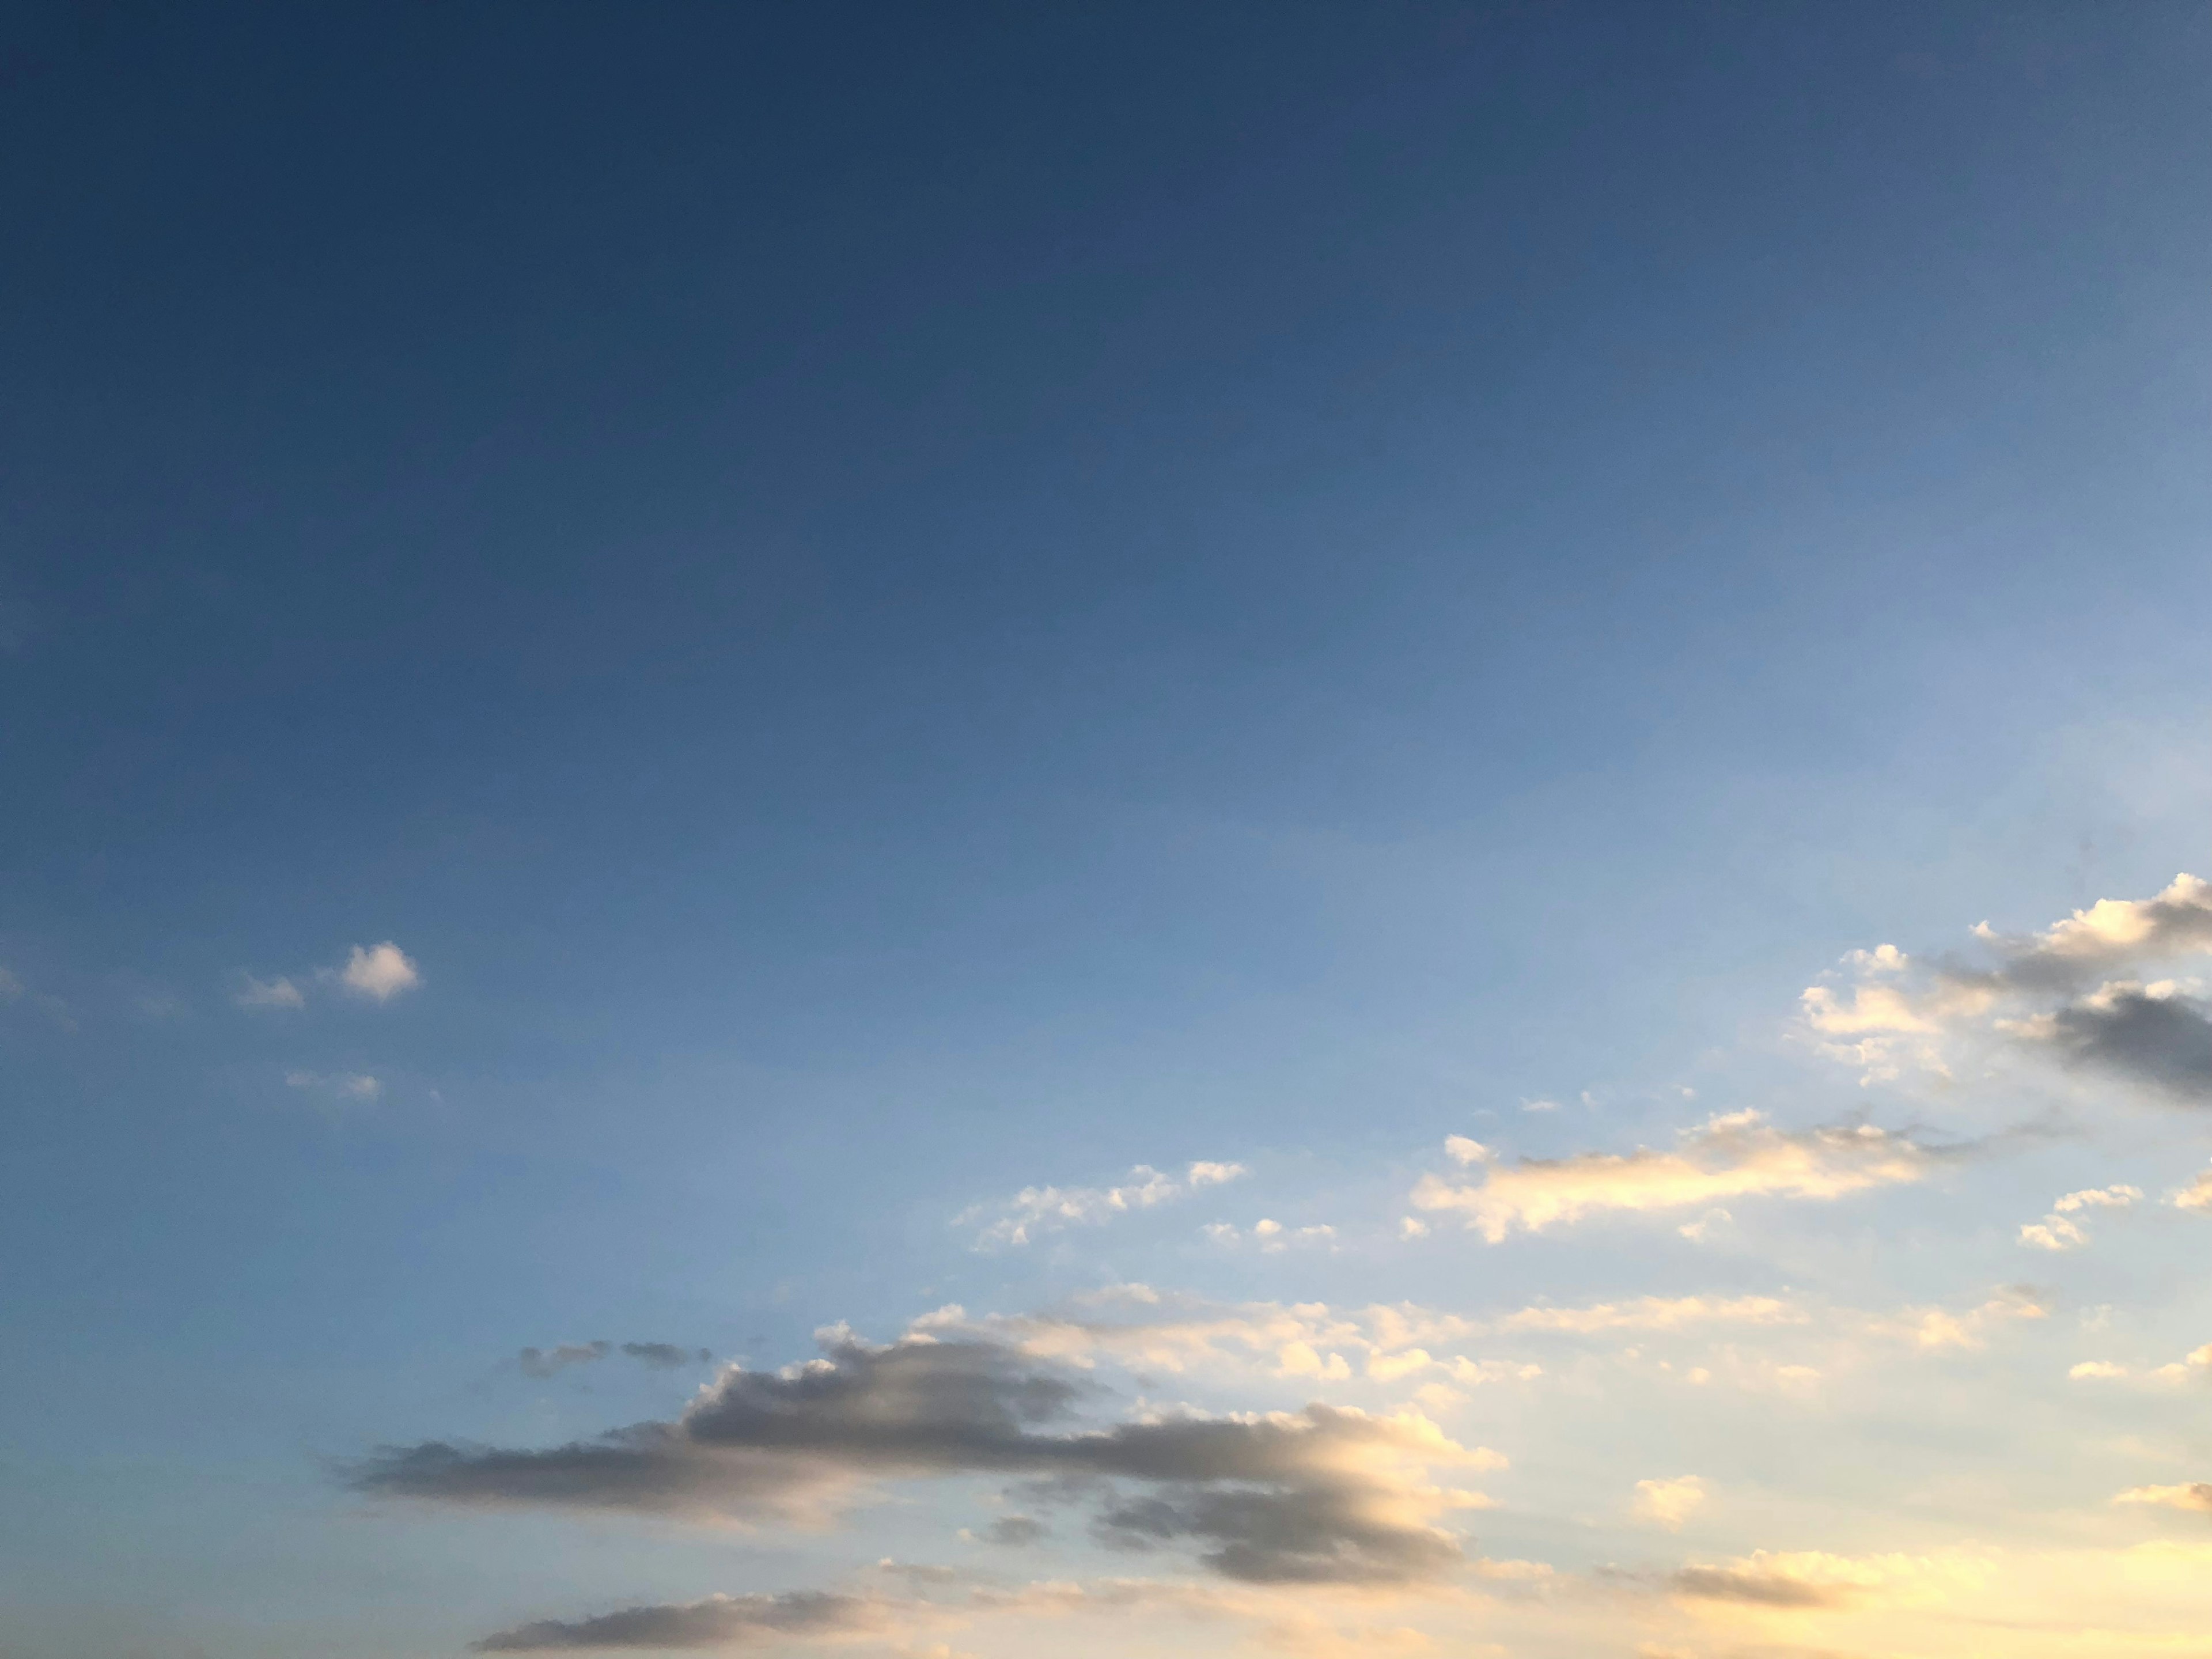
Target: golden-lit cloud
{"x":1739,"y":1155}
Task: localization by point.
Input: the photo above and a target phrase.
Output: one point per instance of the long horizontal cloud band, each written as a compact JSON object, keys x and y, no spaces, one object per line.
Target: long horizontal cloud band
{"x":1322,"y":1494}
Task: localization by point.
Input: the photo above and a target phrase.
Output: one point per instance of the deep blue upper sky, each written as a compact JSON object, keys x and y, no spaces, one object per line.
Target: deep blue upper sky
{"x":898,"y":601}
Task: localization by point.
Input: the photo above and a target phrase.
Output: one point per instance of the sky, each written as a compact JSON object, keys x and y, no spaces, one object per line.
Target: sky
{"x":959,"y":831}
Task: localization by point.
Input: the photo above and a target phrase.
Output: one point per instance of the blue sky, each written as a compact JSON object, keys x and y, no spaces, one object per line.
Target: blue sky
{"x":683,"y":675}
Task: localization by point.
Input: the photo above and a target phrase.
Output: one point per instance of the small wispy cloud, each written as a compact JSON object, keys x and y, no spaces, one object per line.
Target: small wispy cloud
{"x":278,"y":993}
{"x":336,"y":1085}
{"x":1035,"y":1210}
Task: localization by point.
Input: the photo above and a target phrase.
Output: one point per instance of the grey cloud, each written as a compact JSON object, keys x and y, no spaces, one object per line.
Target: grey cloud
{"x":660,"y":1356}
{"x":545,"y":1362}
{"x":721,"y":1621}
{"x":1323,"y":1494}
{"x":1758,"y":1588}
{"x":2165,"y":1040}
{"x":1016,"y":1531}
{"x":665,"y":1356}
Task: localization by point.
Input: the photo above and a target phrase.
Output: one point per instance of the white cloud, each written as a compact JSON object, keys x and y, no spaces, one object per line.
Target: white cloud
{"x":1669,"y":1504}
{"x":1043,"y":1209}
{"x":1734,"y":1155}
{"x":278,"y":993}
{"x":2056,"y":1232}
{"x":380,"y":972}
{"x":1270,"y":1235}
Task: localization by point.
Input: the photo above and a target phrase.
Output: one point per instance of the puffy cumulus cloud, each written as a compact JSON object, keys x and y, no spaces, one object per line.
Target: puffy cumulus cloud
{"x":2068,"y":991}
{"x":1738,"y":1155}
{"x":2196,"y":1195}
{"x":1326,"y":1494}
{"x":379,"y":972}
{"x":720,"y":1621}
{"x":2059,"y":1231}
{"x":1669,"y":1504}
{"x":2196,"y":1495}
{"x":1042,"y":1209}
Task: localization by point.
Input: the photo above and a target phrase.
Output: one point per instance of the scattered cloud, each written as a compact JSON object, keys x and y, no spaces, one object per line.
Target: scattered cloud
{"x":2059,"y":1231}
{"x":2060,"y":993}
{"x":666,"y":1356}
{"x":1812,"y":1578}
{"x":1734,"y":1155}
{"x":336,"y":1085}
{"x":278,"y":993}
{"x":1669,"y":1504}
{"x":1042,"y":1209}
{"x":379,"y":972}
{"x":1652,"y":1313}
{"x":720,"y":1621}
{"x":2197,"y":1495}
{"x":656,"y":1356}
{"x":1272,"y":1237}
{"x":2196,"y":1195}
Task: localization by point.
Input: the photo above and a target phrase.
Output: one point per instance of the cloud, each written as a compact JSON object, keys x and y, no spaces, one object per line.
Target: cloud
{"x":551,"y":1362}
{"x":1652,"y":1313}
{"x":1326,"y":1494}
{"x":1813,"y":1578}
{"x":10,"y":986}
{"x":1735,"y":1156}
{"x":665,"y":1356}
{"x":657,"y":1356}
{"x":1040,"y":1209}
{"x":2197,"y":1495}
{"x":278,"y":993}
{"x":2055,"y":991}
{"x":380,"y":972}
{"x":720,"y":1621}
{"x":2056,"y":1231}
{"x":341,"y":1085}
{"x":1669,"y":1504}
{"x":2196,"y":1195}
{"x":1272,"y":1237}
{"x":1012,"y":1532}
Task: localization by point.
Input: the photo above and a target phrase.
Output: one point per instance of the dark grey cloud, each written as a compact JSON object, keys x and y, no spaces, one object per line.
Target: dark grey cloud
{"x":721,"y":1621}
{"x":1322,"y":1494}
{"x":2164,"y":1041}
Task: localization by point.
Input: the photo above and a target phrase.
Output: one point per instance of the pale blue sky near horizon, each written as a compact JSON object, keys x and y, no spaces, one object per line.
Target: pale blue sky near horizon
{"x":894,"y":605}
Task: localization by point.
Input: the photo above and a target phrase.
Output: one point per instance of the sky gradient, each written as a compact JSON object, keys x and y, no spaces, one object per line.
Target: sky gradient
{"x":983,"y":830}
